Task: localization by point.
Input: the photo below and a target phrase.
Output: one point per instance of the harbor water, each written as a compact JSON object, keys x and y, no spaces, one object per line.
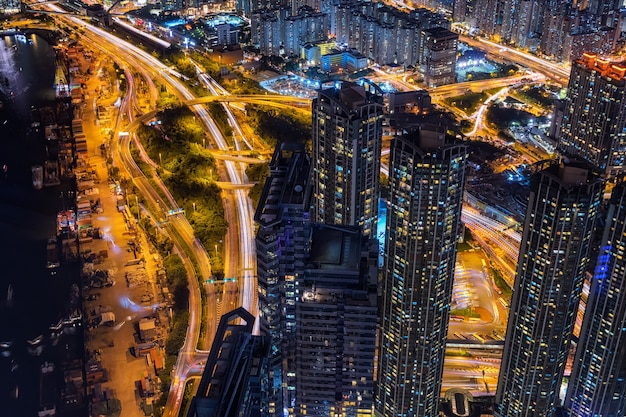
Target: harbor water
{"x":32,"y":296}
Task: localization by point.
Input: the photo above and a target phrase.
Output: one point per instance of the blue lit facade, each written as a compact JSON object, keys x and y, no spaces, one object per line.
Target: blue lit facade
{"x":427,"y":175}
{"x":554,"y":254}
{"x":347,"y":141}
{"x":597,"y":386}
{"x":282,"y":243}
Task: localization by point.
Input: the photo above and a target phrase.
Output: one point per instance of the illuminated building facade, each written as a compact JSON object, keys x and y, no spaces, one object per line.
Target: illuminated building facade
{"x":597,"y":385}
{"x":282,"y":241}
{"x":426,"y":179}
{"x":560,"y":218}
{"x":277,"y":32}
{"x":594,"y":117}
{"x":347,"y":140}
{"x":336,"y":324}
{"x":10,"y":6}
{"x":439,"y":56}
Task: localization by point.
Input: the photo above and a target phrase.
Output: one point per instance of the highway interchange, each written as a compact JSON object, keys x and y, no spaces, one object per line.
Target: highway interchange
{"x":478,"y":374}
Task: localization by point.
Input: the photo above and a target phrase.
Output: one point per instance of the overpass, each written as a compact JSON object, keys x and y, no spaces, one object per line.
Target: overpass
{"x":230,"y":186}
{"x":234,"y":158}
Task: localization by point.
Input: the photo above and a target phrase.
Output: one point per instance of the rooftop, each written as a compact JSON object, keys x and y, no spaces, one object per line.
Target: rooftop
{"x":335,"y":247}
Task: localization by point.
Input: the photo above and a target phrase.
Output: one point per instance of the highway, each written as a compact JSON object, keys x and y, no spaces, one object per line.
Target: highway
{"x":222,"y":297}
{"x":557,"y":72}
{"x":179,"y":229}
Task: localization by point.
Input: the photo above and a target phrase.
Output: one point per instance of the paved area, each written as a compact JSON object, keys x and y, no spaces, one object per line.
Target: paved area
{"x":117,"y":253}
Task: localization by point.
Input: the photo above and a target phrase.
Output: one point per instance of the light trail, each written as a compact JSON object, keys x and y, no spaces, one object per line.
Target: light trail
{"x":481,"y":111}
{"x":148,"y":36}
{"x":244,"y":206}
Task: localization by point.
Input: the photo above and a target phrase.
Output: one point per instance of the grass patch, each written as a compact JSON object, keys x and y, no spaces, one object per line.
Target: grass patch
{"x":464,"y":246}
{"x":468,"y":102}
{"x":501,"y":283}
{"x":465,"y":312}
{"x":458,"y":352}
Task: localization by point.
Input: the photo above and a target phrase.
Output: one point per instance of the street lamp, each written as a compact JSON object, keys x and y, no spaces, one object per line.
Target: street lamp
{"x":138,"y":212}
{"x":160,"y":159}
{"x":204,"y":142}
{"x":216,"y":249}
{"x":194,"y":206}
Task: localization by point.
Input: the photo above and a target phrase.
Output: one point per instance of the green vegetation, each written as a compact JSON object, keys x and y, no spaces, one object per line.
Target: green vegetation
{"x":187,"y":169}
{"x":257,"y":173}
{"x":275,"y":126}
{"x":536,"y":95}
{"x":166,"y":99}
{"x":221,"y":119}
{"x":161,"y":241}
{"x":468,"y":102}
{"x":458,"y":352}
{"x":465,"y":312}
{"x":501,"y":283}
{"x":384,"y":186}
{"x":238,"y":84}
{"x":187,"y":396}
{"x":121,"y":78}
{"x":464,"y":246}
{"x":177,"y":282}
{"x":503,"y":117}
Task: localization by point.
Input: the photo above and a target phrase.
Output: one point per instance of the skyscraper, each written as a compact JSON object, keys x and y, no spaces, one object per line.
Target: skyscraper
{"x":347,"y":140}
{"x":336,"y":324}
{"x":594,"y":118}
{"x":234,"y":379}
{"x":282,"y":243}
{"x":554,"y":254}
{"x":597,"y":386}
{"x":426,"y":179}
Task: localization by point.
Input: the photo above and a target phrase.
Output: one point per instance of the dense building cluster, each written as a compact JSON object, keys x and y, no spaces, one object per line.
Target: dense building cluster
{"x":10,"y":6}
{"x":343,"y":342}
{"x":381,"y":34}
{"x":558,"y":30}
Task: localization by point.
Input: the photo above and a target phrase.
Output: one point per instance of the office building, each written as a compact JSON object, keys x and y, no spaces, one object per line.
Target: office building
{"x":597,"y":386}
{"x":336,"y":324}
{"x":282,"y":242}
{"x":594,"y":118}
{"x":347,"y":140}
{"x":426,"y":180}
{"x":234,"y":380}
{"x":554,"y":254}
{"x":439,"y":56}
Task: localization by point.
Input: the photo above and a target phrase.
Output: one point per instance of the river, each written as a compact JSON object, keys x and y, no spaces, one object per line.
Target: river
{"x":31,"y":297}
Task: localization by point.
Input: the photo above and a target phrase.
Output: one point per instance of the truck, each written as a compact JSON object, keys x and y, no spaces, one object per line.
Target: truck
{"x":108,"y":319}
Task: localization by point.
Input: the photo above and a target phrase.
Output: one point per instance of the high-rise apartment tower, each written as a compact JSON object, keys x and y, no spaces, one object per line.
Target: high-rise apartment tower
{"x":347,"y":140}
{"x":336,"y":324}
{"x":426,"y":179}
{"x":282,"y":242}
{"x":593,"y":127}
{"x":554,"y":255}
{"x":597,"y":386}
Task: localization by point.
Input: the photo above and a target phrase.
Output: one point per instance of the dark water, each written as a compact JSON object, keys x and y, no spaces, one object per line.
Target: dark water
{"x":27,"y":219}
